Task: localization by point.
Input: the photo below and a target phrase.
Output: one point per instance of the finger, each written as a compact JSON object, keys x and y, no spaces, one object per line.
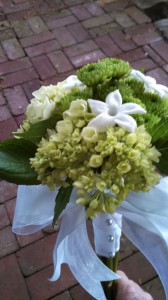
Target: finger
{"x":122,"y":274}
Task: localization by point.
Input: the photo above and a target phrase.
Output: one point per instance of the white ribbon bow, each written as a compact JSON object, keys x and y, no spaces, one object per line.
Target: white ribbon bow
{"x":145,"y":223}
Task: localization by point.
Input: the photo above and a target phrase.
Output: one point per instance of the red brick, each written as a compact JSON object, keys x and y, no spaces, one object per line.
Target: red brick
{"x":123,"y":19}
{"x":78,"y":32}
{"x":155,"y":289}
{"x":60,"y":61}
{"x":40,"y":6}
{"x":7,"y":34}
{"x":165,"y":68}
{"x":12,"y":284}
{"x":8,"y":242}
{"x":19,"y":119}
{"x":19,"y":1}
{"x":161,"y":48}
{"x":37,"y":25}
{"x":57,"y":4}
{"x":16,"y":100}
{"x":22,"y":28}
{"x":57,"y":78}
{"x":94,"y":9}
{"x":4,"y":220}
{"x":19,"y":77}
{"x":10,"y":207}
{"x":80,"y":12}
{"x":81,"y":48}
{"x":61,"y":22}
{"x":64,"y":37}
{"x":137,"y":15}
{"x":12,"y":48}
{"x":21,"y":15}
{"x":42,"y":255}
{"x":132,"y":55}
{"x":25,"y":240}
{"x":7,"y":191}
{"x":144,"y":34}
{"x":151,"y":53}
{"x":107,"y":45}
{"x":2,"y":99}
{"x":160,"y":76}
{"x":97,"y":21}
{"x":73,"y":2}
{"x":17,"y":7}
{"x":42,"y":48}
{"x":138,"y":268}
{"x":7,"y":127}
{"x":43,"y":66}
{"x":123,"y":40}
{"x":41,"y":289}
{"x":81,"y":60}
{"x":53,"y":14}
{"x":36,"y":39}
{"x":2,"y":55}
{"x":31,"y":86}
{"x":64,"y":296}
{"x":4,"y":113}
{"x":78,"y":292}
{"x":16,"y":65}
{"x":126,"y":248}
{"x":145,"y":63}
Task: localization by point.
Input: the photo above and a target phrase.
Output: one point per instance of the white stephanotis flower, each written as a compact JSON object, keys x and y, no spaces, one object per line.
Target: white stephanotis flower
{"x":150,"y":84}
{"x":112,"y":112}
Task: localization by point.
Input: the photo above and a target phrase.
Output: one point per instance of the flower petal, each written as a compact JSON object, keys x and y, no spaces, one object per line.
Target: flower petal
{"x":101,"y":122}
{"x":114,"y":100}
{"x":131,"y":108}
{"x":97,"y":107}
{"x":125,"y":121}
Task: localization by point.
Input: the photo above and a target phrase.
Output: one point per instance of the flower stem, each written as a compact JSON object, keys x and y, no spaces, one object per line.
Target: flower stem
{"x":110,"y":287}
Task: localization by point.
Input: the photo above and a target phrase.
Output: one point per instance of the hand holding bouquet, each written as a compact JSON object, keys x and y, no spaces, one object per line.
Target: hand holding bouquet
{"x":98,"y":141}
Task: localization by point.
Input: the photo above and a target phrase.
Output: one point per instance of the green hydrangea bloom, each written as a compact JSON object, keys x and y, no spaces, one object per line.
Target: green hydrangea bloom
{"x":115,"y":160}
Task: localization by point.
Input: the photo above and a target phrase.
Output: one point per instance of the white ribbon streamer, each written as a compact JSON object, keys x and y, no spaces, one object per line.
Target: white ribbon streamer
{"x":145,"y":222}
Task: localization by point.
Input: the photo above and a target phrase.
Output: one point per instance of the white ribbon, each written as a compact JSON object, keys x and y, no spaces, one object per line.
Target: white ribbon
{"x":145,"y":222}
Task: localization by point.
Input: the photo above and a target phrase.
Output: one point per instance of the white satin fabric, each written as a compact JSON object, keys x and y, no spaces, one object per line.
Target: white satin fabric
{"x":145,"y":222}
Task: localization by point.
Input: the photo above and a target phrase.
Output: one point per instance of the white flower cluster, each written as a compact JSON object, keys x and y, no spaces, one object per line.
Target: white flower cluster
{"x":150,"y":84}
{"x":45,"y":99}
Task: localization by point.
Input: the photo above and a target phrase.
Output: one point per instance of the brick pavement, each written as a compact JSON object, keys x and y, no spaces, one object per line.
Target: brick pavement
{"x":41,"y":42}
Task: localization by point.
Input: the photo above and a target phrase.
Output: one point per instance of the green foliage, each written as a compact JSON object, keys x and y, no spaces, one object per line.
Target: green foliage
{"x":103,"y":70}
{"x":61,"y":200}
{"x":38,"y":130}
{"x":14,"y":161}
{"x":160,"y":140}
{"x":66,"y":100}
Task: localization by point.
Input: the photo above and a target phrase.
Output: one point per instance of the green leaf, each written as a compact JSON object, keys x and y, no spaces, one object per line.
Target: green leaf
{"x":61,"y":200}
{"x":14,"y":162}
{"x":163,"y":161}
{"x":160,"y":132}
{"x":38,"y":130}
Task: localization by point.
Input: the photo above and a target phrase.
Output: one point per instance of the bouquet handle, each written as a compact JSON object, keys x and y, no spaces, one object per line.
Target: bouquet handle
{"x":107,"y":233}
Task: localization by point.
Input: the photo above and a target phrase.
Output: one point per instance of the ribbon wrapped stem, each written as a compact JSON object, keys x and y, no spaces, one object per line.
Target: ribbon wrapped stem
{"x":107,"y":233}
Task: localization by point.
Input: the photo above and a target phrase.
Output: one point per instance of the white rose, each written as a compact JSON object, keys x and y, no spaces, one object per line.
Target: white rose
{"x":70,"y":83}
{"x":150,"y":84}
{"x":39,"y":110}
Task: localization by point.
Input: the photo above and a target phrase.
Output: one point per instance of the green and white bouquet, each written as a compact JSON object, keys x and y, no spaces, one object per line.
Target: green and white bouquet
{"x":93,"y":147}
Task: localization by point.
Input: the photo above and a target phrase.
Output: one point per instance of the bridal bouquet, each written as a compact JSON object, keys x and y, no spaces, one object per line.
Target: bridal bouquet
{"x":93,"y":147}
